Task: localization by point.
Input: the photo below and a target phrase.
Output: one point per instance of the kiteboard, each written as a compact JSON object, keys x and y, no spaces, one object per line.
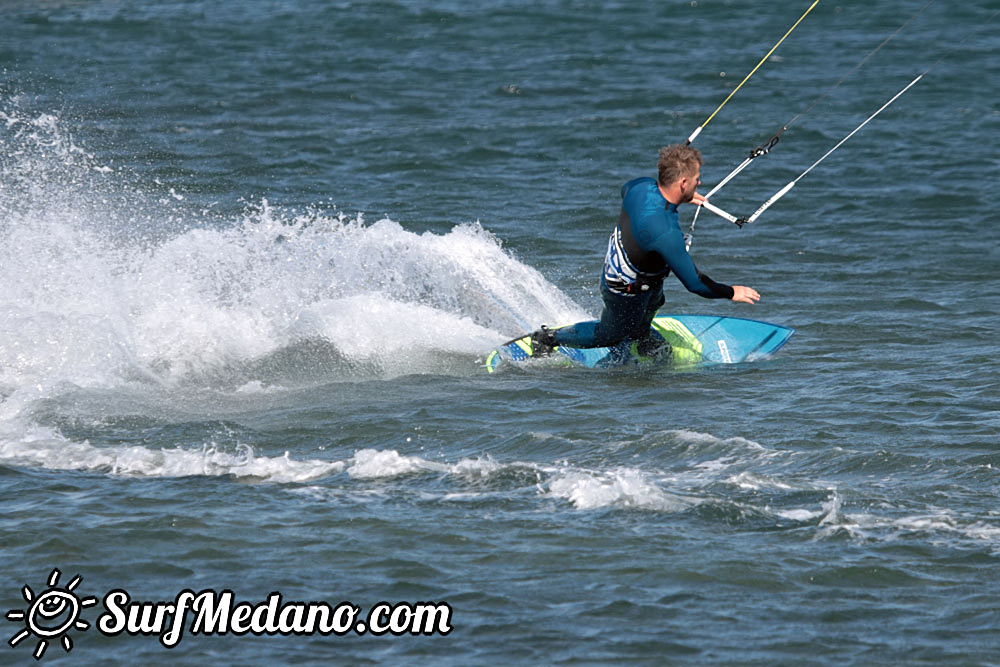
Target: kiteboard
{"x":680,"y":340}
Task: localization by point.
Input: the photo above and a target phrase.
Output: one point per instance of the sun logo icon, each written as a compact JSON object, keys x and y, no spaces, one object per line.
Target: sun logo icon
{"x":51,"y":615}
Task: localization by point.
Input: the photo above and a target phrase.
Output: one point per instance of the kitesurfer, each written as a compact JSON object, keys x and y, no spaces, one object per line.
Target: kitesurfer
{"x":646,"y":245}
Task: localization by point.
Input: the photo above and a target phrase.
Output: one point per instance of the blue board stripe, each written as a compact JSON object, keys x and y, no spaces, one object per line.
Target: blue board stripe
{"x":763,"y":342}
{"x":713,"y":324}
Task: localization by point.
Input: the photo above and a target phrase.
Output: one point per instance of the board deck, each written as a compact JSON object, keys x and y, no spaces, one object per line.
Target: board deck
{"x":680,"y":340}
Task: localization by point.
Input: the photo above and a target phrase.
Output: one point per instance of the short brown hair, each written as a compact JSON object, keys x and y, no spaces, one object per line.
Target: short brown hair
{"x":677,"y":161}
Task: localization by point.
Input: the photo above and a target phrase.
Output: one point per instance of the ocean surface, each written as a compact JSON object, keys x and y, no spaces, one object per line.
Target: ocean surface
{"x":253,"y":255}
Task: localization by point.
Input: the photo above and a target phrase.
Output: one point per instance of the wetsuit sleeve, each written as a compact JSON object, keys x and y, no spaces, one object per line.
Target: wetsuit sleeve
{"x":671,"y":246}
{"x":721,"y":291}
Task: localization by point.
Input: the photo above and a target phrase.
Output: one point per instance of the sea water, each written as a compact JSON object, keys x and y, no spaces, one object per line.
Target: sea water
{"x":253,"y":257}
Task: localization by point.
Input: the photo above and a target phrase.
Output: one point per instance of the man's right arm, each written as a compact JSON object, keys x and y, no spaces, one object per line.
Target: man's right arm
{"x":671,"y":245}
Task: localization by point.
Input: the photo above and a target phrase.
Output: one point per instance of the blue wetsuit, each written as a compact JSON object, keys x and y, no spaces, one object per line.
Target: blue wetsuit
{"x":644,"y":248}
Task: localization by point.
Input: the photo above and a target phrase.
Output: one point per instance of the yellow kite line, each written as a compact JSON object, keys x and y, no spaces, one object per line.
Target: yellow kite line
{"x":708,"y":120}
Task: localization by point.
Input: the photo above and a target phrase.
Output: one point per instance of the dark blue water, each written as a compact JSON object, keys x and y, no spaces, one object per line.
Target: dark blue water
{"x":255,"y":253}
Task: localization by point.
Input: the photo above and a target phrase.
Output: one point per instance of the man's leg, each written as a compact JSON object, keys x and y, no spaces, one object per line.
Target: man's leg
{"x":653,"y":305}
{"x":624,"y":316}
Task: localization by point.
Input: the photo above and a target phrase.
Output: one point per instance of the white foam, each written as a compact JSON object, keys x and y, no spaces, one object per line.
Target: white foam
{"x":393,"y":326}
{"x":88,"y":260}
{"x":258,"y":387}
{"x":756,"y":482}
{"x":831,"y":510}
{"x":479,"y":467}
{"x":939,"y":525}
{"x":375,"y":464}
{"x":626,"y":487}
{"x":93,"y":309}
{"x":699,"y":438}
{"x":106,"y":284}
{"x":798,"y":514}
{"x":44,"y":448}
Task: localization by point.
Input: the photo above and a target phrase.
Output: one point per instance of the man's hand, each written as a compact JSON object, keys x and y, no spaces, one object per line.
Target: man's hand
{"x":745,"y":294}
{"x":697,"y":199}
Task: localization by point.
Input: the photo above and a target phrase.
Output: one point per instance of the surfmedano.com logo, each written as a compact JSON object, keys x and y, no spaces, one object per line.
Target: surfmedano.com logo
{"x":51,"y":615}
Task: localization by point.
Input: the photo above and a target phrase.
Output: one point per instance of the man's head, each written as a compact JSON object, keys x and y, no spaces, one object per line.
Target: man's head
{"x":679,"y":172}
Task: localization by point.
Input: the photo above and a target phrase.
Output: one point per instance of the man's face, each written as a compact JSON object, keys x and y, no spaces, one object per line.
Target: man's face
{"x":689,"y":185}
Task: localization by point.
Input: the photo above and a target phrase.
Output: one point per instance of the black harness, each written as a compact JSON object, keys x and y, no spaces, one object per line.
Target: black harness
{"x":651,"y":268}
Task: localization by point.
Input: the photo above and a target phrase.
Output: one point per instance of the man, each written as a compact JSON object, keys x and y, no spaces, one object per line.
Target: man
{"x":644,"y":248}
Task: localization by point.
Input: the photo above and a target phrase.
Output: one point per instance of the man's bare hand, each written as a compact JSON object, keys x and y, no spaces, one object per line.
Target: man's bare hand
{"x":745,"y":294}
